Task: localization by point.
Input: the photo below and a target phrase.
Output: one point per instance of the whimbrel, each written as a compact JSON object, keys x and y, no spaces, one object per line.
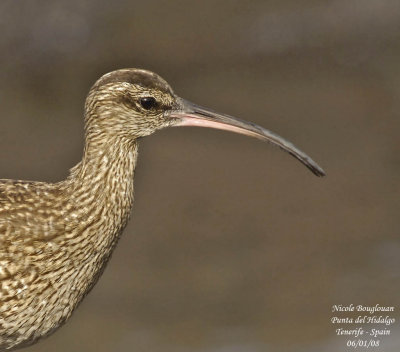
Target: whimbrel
{"x":56,"y":238}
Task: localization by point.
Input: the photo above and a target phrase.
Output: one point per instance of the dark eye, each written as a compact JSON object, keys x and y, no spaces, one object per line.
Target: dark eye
{"x":148,"y":103}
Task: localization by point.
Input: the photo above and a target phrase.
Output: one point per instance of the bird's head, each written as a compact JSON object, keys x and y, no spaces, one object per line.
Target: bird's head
{"x":133,"y":103}
{"x":130,"y":103}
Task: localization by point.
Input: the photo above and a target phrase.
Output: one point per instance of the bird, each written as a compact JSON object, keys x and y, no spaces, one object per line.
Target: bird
{"x":56,"y":238}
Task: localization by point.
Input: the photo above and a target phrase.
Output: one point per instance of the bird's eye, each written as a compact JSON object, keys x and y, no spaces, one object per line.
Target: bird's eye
{"x":148,"y":103}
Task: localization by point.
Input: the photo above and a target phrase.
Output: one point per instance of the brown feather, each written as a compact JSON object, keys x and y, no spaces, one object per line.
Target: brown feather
{"x":55,"y":239}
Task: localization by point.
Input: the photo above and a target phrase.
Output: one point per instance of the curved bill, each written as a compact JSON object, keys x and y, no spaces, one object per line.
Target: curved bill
{"x":190,"y":114}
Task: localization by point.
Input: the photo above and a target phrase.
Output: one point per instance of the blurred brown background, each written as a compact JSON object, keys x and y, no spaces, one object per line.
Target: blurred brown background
{"x":233,"y":245}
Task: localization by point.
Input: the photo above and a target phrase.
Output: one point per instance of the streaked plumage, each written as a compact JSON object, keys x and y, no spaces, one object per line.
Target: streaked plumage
{"x":55,"y":239}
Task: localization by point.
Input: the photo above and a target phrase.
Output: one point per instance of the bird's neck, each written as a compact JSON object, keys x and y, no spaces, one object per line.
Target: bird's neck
{"x":100,"y":188}
{"x":93,"y":205}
